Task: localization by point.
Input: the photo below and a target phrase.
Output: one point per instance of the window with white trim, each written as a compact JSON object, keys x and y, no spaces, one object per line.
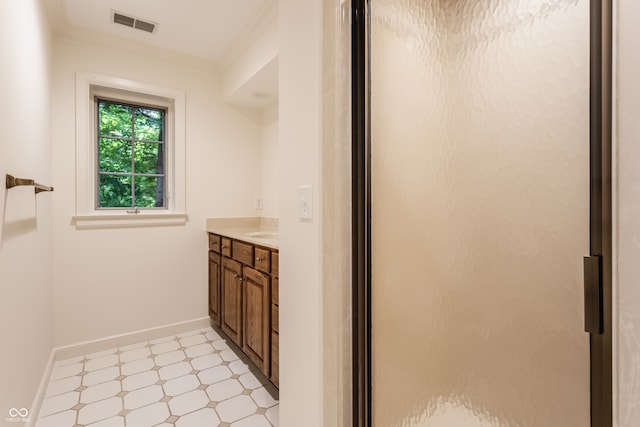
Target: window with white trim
{"x":130,"y":153}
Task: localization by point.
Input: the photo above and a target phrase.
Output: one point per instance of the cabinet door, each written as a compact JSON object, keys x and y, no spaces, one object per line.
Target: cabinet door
{"x":275,"y":318}
{"x":214,"y":287}
{"x":275,"y":358}
{"x":232,"y":300}
{"x":257,"y":305}
{"x":275,"y":291}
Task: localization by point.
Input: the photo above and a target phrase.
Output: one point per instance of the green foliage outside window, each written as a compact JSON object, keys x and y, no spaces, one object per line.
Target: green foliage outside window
{"x":131,"y":156}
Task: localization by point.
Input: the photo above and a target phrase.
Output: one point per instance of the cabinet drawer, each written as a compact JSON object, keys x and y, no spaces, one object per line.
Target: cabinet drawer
{"x":275,"y":318}
{"x":242,"y":252}
{"x":274,"y":263}
{"x":225,"y":247}
{"x":263,"y":260}
{"x":214,"y":242}
{"x":275,"y":291}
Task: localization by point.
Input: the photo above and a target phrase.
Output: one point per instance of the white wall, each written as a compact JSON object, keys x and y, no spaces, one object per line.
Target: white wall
{"x":115,"y":281}
{"x":336,"y":214}
{"x":270,"y":163}
{"x":261,"y":50}
{"x":300,"y":44}
{"x":25,"y":221}
{"x":628,"y":215}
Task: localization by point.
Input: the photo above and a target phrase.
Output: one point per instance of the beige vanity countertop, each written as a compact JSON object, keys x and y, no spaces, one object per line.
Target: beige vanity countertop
{"x":256,"y":230}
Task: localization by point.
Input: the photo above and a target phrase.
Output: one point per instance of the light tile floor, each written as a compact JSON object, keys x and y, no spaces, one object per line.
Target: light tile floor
{"x":187,"y":380}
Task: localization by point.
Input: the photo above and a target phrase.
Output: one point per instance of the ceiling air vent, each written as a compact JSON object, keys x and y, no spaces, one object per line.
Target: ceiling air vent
{"x":145,"y":26}
{"x":132,"y":22}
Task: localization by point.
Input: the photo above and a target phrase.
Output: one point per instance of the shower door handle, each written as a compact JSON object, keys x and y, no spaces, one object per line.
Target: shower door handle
{"x":593,"y":303}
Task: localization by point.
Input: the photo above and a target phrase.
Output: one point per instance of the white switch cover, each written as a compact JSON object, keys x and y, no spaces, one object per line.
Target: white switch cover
{"x":305,"y":202}
{"x":258,"y":202}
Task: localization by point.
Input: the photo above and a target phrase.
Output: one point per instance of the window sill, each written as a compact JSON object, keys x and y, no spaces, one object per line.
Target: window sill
{"x":122,"y":220}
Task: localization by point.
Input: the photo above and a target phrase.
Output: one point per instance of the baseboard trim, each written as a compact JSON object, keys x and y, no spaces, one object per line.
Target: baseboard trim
{"x":40,"y":393}
{"x":101,"y":344}
{"x":87,"y":347}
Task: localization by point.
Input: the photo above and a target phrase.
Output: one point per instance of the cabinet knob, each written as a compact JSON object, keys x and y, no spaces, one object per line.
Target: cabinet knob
{"x":223,"y":246}
{"x":258,"y":259}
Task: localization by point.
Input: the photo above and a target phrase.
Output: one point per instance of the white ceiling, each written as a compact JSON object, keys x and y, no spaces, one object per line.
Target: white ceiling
{"x":200,"y":28}
{"x":214,"y":31}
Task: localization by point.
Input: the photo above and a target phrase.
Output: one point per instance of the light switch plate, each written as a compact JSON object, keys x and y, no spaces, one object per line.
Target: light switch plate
{"x":258,"y":203}
{"x":305,"y":202}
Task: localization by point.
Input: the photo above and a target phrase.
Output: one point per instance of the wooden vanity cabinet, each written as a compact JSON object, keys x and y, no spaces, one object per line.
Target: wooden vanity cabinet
{"x":231,"y":302}
{"x":243,"y":299}
{"x":274,"y":371}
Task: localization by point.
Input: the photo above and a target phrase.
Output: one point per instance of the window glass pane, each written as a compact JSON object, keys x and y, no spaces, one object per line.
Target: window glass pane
{"x":114,"y":155}
{"x":115,"y":191}
{"x":115,"y":119}
{"x":149,"y":158}
{"x":149,"y":191}
{"x":121,"y":129}
{"x":149,"y":124}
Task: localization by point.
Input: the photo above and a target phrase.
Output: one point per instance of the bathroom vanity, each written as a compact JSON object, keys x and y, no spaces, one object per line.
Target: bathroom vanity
{"x":243,"y":287}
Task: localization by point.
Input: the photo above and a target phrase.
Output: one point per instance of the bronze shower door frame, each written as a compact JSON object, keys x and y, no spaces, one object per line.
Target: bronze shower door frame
{"x":600,"y":210}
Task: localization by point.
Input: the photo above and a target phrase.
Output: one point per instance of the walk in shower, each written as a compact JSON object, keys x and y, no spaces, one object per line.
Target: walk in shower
{"x":477,"y":122}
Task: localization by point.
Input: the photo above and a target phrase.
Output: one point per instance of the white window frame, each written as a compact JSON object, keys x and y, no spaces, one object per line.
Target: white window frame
{"x":88,"y":86}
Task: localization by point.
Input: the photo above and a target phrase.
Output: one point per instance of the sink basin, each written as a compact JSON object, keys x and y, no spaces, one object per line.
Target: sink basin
{"x":263,"y":235}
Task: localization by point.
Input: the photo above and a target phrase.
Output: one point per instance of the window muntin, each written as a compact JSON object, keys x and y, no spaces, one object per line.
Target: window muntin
{"x":131,"y":156}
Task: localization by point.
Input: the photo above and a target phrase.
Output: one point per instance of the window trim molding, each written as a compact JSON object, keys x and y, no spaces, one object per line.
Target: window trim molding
{"x":86,"y":214}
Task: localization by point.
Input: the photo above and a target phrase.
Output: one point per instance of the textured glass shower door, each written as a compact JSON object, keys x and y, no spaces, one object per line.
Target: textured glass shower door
{"x":480,"y":212}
